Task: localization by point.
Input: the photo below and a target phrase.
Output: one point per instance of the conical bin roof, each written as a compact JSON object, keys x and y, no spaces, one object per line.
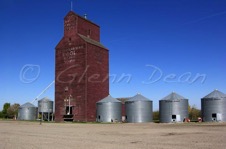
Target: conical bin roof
{"x":138,"y":97}
{"x":27,"y":105}
{"x":109,"y":98}
{"x":173,"y":96}
{"x":45,"y":99}
{"x":216,"y":94}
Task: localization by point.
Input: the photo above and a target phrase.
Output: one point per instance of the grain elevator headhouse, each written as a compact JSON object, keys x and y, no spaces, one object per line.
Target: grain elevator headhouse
{"x":81,"y":70}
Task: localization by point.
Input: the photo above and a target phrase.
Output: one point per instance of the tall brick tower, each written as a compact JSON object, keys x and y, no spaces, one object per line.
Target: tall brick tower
{"x":81,"y":70}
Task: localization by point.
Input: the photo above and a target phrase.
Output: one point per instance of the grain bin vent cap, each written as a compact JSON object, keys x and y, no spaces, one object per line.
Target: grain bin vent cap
{"x":109,"y":98}
{"x":138,"y":97}
{"x":216,"y":94}
{"x":27,"y":105}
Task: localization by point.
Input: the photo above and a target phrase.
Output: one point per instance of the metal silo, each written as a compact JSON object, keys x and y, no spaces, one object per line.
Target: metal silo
{"x":138,"y":109}
{"x":27,"y":111}
{"x":213,"y":107}
{"x":173,"y":108}
{"x":109,"y":109}
{"x":45,"y":108}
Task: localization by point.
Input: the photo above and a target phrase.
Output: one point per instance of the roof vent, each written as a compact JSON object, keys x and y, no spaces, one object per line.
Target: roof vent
{"x":85,"y":16}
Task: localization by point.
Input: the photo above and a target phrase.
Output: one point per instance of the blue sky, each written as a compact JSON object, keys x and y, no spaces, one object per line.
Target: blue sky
{"x":161,"y":45}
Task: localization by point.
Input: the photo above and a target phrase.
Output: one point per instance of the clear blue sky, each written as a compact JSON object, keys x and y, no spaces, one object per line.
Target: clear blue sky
{"x":159,"y":43}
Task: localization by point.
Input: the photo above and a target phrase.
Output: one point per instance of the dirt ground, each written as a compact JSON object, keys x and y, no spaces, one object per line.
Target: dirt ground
{"x":32,"y":135}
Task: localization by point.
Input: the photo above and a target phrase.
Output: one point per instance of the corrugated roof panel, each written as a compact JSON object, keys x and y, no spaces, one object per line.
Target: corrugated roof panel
{"x":138,"y":97}
{"x":91,"y":41}
{"x":109,"y":98}
{"x":173,"y":96}
{"x":45,"y":99}
{"x":27,"y":105}
{"x":216,"y":94}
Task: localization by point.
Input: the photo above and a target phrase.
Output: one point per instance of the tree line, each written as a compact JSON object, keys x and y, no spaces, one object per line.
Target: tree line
{"x":9,"y":111}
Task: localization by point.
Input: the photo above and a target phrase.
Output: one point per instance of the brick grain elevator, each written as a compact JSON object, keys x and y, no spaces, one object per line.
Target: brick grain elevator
{"x":81,"y":70}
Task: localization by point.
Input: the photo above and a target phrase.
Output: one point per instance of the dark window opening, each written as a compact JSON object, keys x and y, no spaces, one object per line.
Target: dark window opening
{"x":174,"y":116}
{"x":68,"y":110}
{"x":214,"y":115}
{"x":89,"y":32}
{"x":99,"y":117}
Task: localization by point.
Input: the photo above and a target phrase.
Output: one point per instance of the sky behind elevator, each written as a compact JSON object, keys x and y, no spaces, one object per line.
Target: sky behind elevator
{"x":157,"y":46}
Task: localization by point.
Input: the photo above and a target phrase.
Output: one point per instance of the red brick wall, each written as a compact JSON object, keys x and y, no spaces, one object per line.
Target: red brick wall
{"x":98,"y":81}
{"x":69,"y":69}
{"x":77,"y":63}
{"x":74,"y":24}
{"x":70,"y":24}
{"x":88,"y":29}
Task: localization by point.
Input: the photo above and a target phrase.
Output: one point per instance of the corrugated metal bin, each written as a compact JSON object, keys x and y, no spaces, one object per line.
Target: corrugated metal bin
{"x":109,"y":109}
{"x":27,"y":111}
{"x":173,"y":108}
{"x":213,"y":107}
{"x":138,"y":109}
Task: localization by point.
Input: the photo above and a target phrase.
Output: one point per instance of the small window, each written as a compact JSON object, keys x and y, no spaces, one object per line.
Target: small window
{"x":68,"y":110}
{"x":99,"y":117}
{"x":174,"y":116}
{"x":89,"y":32}
{"x":214,"y":115}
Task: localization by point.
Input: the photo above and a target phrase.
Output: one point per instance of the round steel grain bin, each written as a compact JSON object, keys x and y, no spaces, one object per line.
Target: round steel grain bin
{"x":45,"y":105}
{"x":213,"y":107}
{"x":138,"y":109}
{"x":27,"y":111}
{"x":173,"y":108}
{"x":109,"y":109}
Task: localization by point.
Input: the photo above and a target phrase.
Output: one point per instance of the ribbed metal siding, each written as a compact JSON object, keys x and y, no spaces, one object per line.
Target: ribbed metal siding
{"x":167,"y":108}
{"x":138,"y":111}
{"x":213,"y":105}
{"x":45,"y":106}
{"x":109,"y":111}
{"x":27,"y":113}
